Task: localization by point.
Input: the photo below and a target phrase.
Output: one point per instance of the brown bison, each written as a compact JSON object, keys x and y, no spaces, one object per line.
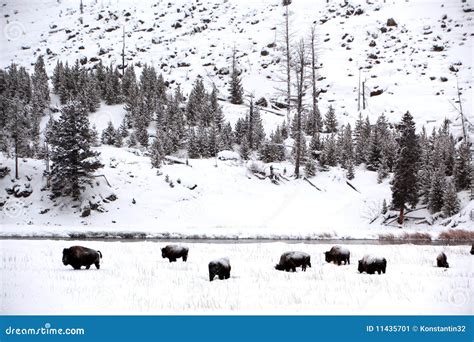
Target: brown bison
{"x":371,"y":264}
{"x":78,"y":256}
{"x":338,"y":254}
{"x":220,"y":268}
{"x":442,"y":260}
{"x":291,"y":260}
{"x":173,"y":252}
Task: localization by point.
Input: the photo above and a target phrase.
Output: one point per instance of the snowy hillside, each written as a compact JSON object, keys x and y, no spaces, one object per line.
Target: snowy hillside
{"x":415,"y":65}
{"x":184,"y":39}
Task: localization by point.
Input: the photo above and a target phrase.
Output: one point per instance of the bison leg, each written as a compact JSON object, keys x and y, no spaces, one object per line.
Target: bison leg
{"x":339,"y":261}
{"x":227,"y":275}
{"x":211,"y":276}
{"x":88,"y":266}
{"x":303,"y":267}
{"x":185,"y":258}
{"x":97,"y":265}
{"x":76,"y":267}
{"x":221,"y":276}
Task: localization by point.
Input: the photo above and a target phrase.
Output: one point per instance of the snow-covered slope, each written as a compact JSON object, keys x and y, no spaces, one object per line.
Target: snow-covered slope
{"x":184,"y":39}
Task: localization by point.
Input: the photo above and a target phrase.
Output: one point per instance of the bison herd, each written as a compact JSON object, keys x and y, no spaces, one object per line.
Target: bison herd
{"x":78,"y":256}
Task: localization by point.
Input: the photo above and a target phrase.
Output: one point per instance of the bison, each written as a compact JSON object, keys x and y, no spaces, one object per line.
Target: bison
{"x":338,"y":254}
{"x":173,"y":252}
{"x":472,"y":249}
{"x":371,"y":264}
{"x":442,"y":260}
{"x":78,"y":256}
{"x":291,"y":260}
{"x":220,"y":268}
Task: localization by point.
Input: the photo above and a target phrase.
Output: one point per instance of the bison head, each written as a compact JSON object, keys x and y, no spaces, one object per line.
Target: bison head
{"x":65,"y":256}
{"x":361,"y":266}
{"x":328,"y":256}
{"x":279,"y":267}
{"x":163,"y":252}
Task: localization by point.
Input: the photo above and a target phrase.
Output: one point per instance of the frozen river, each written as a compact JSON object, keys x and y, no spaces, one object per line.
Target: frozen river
{"x":135,"y":279}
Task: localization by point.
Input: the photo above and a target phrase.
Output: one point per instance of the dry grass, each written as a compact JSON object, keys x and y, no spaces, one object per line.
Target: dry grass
{"x":457,"y":235}
{"x":417,"y":236}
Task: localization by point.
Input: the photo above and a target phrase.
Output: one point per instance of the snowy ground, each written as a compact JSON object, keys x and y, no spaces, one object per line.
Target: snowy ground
{"x":134,"y":279}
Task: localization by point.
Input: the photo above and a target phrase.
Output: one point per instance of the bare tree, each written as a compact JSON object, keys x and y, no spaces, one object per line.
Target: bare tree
{"x":288,"y":62}
{"x":316,"y":116}
{"x":300,"y":86}
{"x":123,"y":52}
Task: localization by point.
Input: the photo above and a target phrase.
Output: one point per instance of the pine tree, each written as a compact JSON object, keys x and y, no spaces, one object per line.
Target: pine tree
{"x":329,"y":153}
{"x":74,"y":162}
{"x":384,"y":207}
{"x":315,"y":146}
{"x":438,"y":186}
{"x":405,"y":182}
{"x":255,"y":130}
{"x":463,"y":168}
{"x":17,"y":129}
{"x":346,"y":154}
{"x":197,"y":103}
{"x":330,"y":121}
{"x":310,"y":167}
{"x":109,"y":134}
{"x":362,"y":133}
{"x":450,"y":200}
{"x":383,"y":170}
{"x":157,"y":153}
{"x":226,"y":137}
{"x":244,"y":150}
{"x":350,"y":170}
{"x":236,"y":90}
{"x":40,"y":84}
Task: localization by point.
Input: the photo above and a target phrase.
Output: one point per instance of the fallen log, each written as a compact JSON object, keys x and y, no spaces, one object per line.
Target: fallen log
{"x":352,"y":186}
{"x":310,"y":183}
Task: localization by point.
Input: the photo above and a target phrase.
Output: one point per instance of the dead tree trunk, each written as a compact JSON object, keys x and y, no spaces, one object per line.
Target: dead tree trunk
{"x":314,"y":94}
{"x":288,"y":65}
{"x":299,"y":68}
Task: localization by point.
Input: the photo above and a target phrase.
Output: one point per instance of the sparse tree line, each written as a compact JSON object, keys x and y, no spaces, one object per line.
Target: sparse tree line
{"x":430,"y":168}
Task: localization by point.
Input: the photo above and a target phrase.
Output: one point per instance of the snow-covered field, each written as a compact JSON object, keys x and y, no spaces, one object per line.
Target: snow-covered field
{"x":135,"y":279}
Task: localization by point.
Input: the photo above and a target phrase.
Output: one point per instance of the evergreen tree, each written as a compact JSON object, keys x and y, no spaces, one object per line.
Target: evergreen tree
{"x":350,"y":170}
{"x":329,"y":153}
{"x":450,"y":200}
{"x":17,"y":130}
{"x":109,"y":134}
{"x":315,"y":146}
{"x":346,"y":154}
{"x":40,"y":84}
{"x":310,"y":167}
{"x":405,"y":182}
{"x":226,"y":137}
{"x":383,"y":170}
{"x":362,"y":133}
{"x":438,"y":186}
{"x":384,"y":207}
{"x":197,"y":103}
{"x":331,"y":121}
{"x":463,"y":168}
{"x":74,"y":162}
{"x":255,"y":130}
{"x":157,"y":152}
{"x":236,"y":91}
